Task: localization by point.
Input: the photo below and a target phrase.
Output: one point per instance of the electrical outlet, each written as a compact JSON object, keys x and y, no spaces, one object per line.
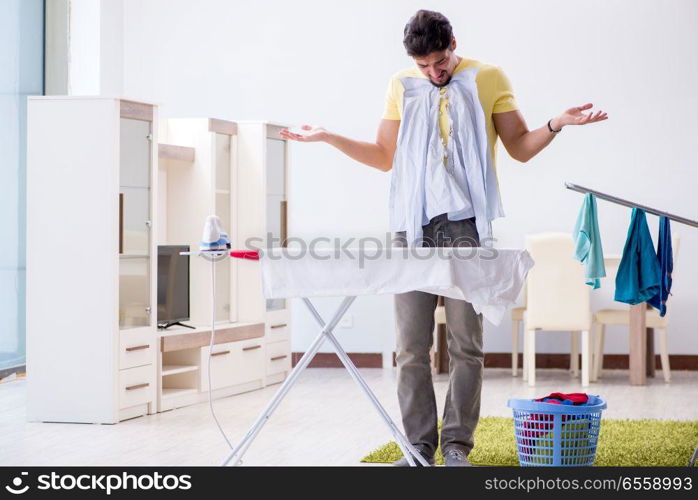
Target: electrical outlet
{"x":346,"y":321}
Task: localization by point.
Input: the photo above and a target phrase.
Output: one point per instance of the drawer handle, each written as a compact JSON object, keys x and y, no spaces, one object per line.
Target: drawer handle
{"x":252,"y":348}
{"x":279,"y":326}
{"x":121,"y":223}
{"x":220,"y":353}
{"x":137,"y":348}
{"x":277,"y":358}
{"x":138,"y":386}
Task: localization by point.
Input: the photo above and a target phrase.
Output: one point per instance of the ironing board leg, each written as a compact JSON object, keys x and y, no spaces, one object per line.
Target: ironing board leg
{"x":242,"y":446}
{"x":408,"y":450}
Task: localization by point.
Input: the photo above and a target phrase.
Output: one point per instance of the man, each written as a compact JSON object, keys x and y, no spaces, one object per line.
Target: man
{"x":438,"y":135}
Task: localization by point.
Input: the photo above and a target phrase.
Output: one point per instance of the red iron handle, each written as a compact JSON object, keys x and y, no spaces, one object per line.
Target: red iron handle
{"x":245,"y":254}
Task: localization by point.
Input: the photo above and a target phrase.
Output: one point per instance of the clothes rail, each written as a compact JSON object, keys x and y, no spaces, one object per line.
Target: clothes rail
{"x":641,"y":339}
{"x":630,"y":204}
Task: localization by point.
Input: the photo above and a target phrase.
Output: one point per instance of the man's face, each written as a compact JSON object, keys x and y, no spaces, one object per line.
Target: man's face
{"x":438,"y":66}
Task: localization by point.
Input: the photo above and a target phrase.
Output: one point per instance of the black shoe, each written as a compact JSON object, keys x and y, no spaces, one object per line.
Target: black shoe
{"x":456,"y":458}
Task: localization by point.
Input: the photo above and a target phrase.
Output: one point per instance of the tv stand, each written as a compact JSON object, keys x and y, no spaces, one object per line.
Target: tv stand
{"x":165,"y":326}
{"x":238,"y":363}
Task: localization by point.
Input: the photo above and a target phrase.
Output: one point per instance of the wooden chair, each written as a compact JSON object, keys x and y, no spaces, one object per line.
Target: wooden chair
{"x":557,"y":298}
{"x":605,"y":317}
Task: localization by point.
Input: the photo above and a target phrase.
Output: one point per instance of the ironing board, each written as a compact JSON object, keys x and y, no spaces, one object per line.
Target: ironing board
{"x":489,"y":278}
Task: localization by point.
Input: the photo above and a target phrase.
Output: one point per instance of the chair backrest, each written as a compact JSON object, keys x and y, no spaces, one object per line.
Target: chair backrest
{"x":557,"y":297}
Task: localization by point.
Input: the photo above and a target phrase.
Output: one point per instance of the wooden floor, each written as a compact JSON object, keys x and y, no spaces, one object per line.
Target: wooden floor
{"x":325,"y":420}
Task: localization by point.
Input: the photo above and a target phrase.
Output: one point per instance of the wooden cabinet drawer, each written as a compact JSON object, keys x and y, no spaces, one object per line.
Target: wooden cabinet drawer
{"x":223,"y":360}
{"x":136,"y":386}
{"x":136,"y":349}
{"x":277,"y":331}
{"x":278,"y":357}
{"x":250,"y":364}
{"x":233,"y":363}
{"x":277,"y":325}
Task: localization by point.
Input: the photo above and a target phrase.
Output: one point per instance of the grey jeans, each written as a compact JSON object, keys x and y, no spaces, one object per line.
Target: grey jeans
{"x":415,"y":327}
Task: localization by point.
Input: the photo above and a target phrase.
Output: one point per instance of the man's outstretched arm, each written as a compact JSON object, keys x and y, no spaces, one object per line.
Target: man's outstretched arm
{"x":377,"y":154}
{"x":522,"y":144}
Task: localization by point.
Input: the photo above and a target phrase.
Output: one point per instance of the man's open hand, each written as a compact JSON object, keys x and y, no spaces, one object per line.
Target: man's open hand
{"x":311,"y":134}
{"x":575,"y":116}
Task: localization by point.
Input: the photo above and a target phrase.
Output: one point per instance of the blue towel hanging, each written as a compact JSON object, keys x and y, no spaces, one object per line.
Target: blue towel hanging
{"x":666,"y":265}
{"x":638,"y":275}
{"x":587,"y":238}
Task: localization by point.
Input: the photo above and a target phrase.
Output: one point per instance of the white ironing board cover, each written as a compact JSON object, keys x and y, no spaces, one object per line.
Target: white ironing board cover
{"x":489,"y":278}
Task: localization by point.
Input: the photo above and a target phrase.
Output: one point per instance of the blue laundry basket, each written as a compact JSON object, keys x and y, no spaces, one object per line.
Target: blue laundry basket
{"x":556,"y":435}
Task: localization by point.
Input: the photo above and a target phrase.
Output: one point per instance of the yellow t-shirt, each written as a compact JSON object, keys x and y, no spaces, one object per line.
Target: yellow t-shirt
{"x":493,"y":88}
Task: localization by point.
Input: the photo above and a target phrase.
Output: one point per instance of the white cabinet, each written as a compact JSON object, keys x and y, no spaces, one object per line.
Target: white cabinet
{"x":233,"y":363}
{"x":278,"y":362}
{"x":91,"y":203}
{"x":203,"y":171}
{"x":194,"y":190}
{"x":237,"y":363}
{"x":262,"y":190}
{"x":276,"y":206}
{"x":249,"y":364}
{"x":136,"y":348}
{"x":222,"y":365}
{"x":136,"y":387}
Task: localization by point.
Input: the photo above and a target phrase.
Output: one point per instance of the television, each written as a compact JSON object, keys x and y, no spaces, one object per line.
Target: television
{"x":173,"y":285}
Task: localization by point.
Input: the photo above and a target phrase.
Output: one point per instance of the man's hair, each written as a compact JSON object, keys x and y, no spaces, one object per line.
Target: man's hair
{"x":426,"y":32}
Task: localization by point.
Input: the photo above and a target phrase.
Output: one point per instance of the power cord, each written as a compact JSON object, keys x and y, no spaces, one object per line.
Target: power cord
{"x":210,"y":349}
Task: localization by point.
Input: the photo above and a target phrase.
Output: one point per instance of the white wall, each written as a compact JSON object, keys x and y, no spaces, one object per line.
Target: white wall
{"x":84,"y":45}
{"x":329,"y":63}
{"x":95,"y":58}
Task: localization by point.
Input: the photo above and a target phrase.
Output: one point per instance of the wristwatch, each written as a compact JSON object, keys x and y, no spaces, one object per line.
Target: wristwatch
{"x":551,"y":128}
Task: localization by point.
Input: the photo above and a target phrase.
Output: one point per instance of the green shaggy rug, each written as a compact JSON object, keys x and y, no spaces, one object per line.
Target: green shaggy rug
{"x":621,"y":443}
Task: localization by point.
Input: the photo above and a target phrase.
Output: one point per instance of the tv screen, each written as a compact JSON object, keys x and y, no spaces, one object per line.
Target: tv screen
{"x":173,"y":284}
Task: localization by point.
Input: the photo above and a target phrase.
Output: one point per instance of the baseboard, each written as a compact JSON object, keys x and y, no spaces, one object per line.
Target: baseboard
{"x":500,"y":360}
{"x":610,"y":361}
{"x":331,"y":360}
{"x":15,"y":369}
